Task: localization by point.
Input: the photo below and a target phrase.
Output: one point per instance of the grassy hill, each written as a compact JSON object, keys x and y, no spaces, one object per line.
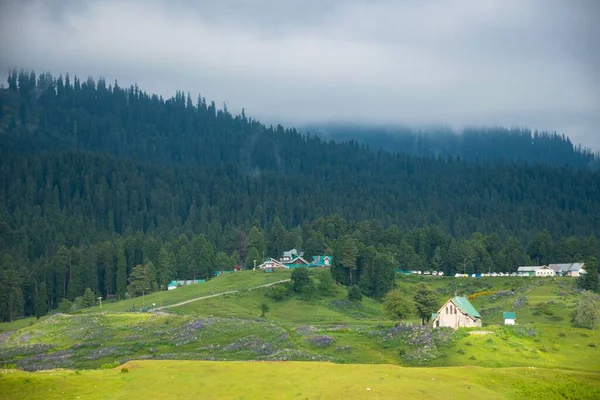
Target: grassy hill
{"x":324,"y":328}
{"x":268,"y":380}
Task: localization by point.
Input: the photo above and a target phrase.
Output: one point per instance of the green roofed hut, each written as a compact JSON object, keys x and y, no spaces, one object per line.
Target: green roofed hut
{"x":509,"y":317}
{"x":456,"y":312}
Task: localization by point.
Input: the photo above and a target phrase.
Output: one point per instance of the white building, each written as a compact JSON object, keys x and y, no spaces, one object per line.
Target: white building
{"x":509,"y":318}
{"x":456,"y":313}
{"x":545,"y":271}
{"x":572,"y":269}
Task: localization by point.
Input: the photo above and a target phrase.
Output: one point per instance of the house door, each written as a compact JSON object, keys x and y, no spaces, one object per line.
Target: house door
{"x":437,"y":323}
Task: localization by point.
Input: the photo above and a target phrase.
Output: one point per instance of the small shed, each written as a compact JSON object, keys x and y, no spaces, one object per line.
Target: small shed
{"x":509,"y":317}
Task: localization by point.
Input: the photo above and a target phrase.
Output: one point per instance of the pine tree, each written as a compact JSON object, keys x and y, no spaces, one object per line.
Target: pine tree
{"x":139,"y":281}
{"x":121,"y":273}
{"x":41,"y":301}
{"x":426,"y":302}
{"x":589,"y":279}
{"x":348,"y":255}
{"x":166,"y":267}
{"x":277,"y":239}
{"x":88,"y":299}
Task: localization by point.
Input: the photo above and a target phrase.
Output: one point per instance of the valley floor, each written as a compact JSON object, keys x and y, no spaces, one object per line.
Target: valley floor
{"x":297,"y":380}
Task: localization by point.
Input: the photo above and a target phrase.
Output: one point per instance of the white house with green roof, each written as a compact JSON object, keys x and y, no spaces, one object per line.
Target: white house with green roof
{"x":456,"y":313}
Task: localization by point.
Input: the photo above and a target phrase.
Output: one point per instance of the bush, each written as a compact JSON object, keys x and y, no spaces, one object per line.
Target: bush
{"x":472,"y":358}
{"x":544,"y":308}
{"x":64,"y":306}
{"x":460,"y":351}
{"x":9,"y":366}
{"x":354,"y":293}
{"x":110,"y":365}
{"x":124,"y":369}
{"x":469,"y":344}
{"x":587,"y":313}
{"x":264,"y":309}
{"x":562,"y":334}
{"x":326,"y":286}
{"x":592,"y":344}
{"x":278,"y":292}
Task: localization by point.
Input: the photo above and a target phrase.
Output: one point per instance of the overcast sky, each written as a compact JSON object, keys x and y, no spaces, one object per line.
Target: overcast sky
{"x":482,"y":62}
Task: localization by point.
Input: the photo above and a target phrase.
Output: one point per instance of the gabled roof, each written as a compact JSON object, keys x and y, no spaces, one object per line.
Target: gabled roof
{"x":294,"y":261}
{"x":465,"y":306}
{"x":567,"y":267}
{"x":509,"y":315}
{"x":434,"y":316}
{"x":293,"y":252}
{"x":529,"y":268}
{"x":272,"y":260}
{"x":319,"y":261}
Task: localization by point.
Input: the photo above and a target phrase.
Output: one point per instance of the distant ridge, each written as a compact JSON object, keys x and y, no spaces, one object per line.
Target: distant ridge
{"x":488,"y":144}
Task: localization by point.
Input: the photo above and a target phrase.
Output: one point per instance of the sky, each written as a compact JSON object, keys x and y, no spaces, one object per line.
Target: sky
{"x":456,"y":63}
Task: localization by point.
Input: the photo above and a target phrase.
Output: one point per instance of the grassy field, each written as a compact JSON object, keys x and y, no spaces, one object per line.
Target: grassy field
{"x":297,"y":380}
{"x":321,"y":310}
{"x":237,"y":281}
{"x":325,"y":328}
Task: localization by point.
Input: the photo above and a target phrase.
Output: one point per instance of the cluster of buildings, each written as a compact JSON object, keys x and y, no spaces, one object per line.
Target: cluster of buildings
{"x":572,"y":269}
{"x":294,"y":259}
{"x":175,"y":284}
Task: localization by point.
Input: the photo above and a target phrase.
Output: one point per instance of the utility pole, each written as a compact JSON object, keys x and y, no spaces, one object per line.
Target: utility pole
{"x":254,"y":269}
{"x":143,"y":297}
{"x":100,"y":300}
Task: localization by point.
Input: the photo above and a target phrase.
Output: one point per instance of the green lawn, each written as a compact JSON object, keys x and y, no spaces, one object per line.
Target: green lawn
{"x":19,"y":323}
{"x":236,"y":281}
{"x":297,"y":380}
{"x":246,"y":304}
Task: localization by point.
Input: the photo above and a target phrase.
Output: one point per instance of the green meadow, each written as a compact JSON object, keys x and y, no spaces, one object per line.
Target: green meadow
{"x":345,"y":347}
{"x":298,"y":380}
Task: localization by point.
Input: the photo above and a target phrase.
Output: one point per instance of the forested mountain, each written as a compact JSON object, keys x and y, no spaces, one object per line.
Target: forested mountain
{"x":500,"y":145}
{"x":96,"y":180}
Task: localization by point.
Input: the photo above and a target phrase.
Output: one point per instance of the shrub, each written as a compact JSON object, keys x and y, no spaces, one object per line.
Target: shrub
{"x":277,"y":292}
{"x":587,"y":314}
{"x":124,"y":369}
{"x":543,"y":349}
{"x":562,"y":334}
{"x":469,"y":344}
{"x":544,"y":308}
{"x":490,"y":340}
{"x":460,"y":351}
{"x":519,"y":302}
{"x":264,"y":309}
{"x":110,"y":365}
{"x":354,"y":293}
{"x":9,"y":366}
{"x":473,"y":357}
{"x":326,"y":285}
{"x":592,"y":344}
{"x":64,"y":306}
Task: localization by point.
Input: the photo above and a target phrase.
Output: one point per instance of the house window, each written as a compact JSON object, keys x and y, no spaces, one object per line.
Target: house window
{"x":446,"y":310}
{"x":451,"y":309}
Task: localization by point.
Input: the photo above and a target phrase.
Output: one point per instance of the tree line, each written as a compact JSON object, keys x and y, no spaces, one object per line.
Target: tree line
{"x":366,"y":254}
{"x":96,"y":180}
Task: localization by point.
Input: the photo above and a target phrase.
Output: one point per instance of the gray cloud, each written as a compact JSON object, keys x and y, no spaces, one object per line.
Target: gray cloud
{"x":487,"y":62}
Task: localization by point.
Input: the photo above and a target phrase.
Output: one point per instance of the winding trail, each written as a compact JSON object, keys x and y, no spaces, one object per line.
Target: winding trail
{"x":218,"y":294}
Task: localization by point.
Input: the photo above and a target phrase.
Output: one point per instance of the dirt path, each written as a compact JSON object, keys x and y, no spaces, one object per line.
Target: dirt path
{"x":218,"y":294}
